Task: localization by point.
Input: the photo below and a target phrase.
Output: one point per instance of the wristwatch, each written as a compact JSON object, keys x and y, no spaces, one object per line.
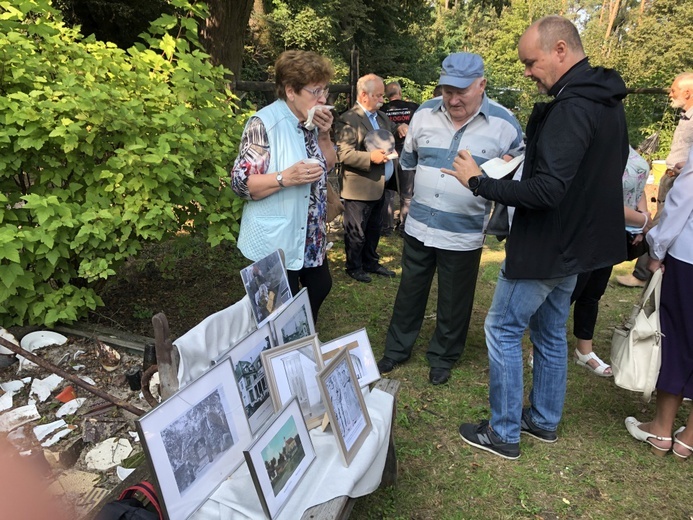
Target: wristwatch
{"x":280,"y":179}
{"x":473,"y":183}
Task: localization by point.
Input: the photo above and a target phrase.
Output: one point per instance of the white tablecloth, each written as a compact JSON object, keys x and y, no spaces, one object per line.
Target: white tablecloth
{"x":326,"y":478}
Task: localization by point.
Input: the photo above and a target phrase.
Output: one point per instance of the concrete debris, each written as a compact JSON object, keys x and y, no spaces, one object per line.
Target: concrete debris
{"x":17,"y":417}
{"x":108,"y":454}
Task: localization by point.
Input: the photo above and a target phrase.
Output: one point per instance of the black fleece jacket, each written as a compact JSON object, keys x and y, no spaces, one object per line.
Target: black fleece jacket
{"x":569,"y":201}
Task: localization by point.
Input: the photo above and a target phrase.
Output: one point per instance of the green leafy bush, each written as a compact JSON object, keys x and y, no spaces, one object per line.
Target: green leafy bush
{"x":102,"y":150}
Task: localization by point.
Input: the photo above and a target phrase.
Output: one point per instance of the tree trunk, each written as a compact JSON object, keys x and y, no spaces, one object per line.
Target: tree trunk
{"x":223,"y":32}
{"x":258,"y":25}
{"x":613,"y":11}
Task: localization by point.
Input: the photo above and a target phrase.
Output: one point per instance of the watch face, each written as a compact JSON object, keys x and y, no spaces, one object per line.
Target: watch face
{"x":280,"y":177}
{"x":474,"y":182}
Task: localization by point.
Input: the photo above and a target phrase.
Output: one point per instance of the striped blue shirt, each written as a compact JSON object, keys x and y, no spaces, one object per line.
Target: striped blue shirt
{"x":443,"y":213}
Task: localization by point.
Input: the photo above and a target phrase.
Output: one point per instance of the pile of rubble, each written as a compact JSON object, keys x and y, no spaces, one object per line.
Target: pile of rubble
{"x":83,"y":442}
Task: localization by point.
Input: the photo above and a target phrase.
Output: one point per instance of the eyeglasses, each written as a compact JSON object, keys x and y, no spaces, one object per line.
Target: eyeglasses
{"x":318,"y":92}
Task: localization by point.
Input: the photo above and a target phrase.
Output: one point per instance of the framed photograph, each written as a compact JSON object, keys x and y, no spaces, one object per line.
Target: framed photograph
{"x":295,"y":320}
{"x":249,"y":373}
{"x":195,"y":439}
{"x":291,"y":371}
{"x":346,"y":408}
{"x":267,"y":286}
{"x":280,"y":457}
{"x":360,"y":352}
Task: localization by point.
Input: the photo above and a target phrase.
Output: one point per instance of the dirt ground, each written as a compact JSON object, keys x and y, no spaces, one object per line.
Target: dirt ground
{"x":184,"y":279}
{"x":64,"y":464}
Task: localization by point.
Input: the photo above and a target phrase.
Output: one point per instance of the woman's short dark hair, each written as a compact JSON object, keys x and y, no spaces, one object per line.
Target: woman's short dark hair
{"x":296,"y":69}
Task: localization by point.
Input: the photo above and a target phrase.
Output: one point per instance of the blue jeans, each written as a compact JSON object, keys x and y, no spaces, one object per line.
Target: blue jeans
{"x":543,"y":305}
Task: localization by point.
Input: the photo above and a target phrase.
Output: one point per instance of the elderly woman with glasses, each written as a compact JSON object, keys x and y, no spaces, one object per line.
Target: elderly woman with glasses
{"x":281,"y":170}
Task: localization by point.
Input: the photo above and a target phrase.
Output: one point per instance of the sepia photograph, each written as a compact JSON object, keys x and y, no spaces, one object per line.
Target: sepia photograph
{"x":291,"y":371}
{"x":195,"y":439}
{"x":280,"y":457}
{"x":267,"y":286}
{"x":360,"y":352}
{"x":295,"y":320}
{"x":345,"y":406}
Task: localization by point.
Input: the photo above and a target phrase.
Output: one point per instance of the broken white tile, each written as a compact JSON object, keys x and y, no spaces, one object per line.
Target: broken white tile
{"x":22,"y":415}
{"x":55,"y":438}
{"x":77,"y":368}
{"x":77,"y":354}
{"x":88,"y":379}
{"x":70,"y":407}
{"x":134,"y":436}
{"x":6,"y":401}
{"x":42,"y":388}
{"x":108,"y":453}
{"x":44,"y":430}
{"x":9,"y":337}
{"x":24,"y":364}
{"x":13,"y":386}
{"x":123,"y":472}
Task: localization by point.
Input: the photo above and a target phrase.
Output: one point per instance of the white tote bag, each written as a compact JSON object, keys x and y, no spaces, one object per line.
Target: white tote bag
{"x":636,"y":346}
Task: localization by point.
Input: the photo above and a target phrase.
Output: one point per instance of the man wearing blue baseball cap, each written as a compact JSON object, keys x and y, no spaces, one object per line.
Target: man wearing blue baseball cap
{"x":444,"y":228}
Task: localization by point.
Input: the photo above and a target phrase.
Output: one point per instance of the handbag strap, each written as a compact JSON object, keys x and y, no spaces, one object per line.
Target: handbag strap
{"x":148,"y":491}
{"x":655,"y":286}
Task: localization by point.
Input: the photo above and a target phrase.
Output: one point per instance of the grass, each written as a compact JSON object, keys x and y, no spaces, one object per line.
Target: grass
{"x":595,"y":470}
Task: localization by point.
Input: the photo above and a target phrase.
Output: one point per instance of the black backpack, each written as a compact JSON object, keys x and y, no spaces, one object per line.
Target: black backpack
{"x":127,"y":507}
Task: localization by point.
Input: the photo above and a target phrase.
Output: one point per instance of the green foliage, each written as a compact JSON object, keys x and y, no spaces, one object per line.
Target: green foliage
{"x":102,"y":150}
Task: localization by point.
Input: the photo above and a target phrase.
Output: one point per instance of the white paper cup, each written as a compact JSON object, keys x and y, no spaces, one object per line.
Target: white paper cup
{"x":311,"y":161}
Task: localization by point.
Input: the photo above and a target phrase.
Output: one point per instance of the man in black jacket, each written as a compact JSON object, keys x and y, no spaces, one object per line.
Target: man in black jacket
{"x":568,"y":219}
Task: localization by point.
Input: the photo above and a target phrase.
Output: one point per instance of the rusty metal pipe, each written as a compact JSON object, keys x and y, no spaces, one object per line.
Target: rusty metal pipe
{"x":72,"y":378}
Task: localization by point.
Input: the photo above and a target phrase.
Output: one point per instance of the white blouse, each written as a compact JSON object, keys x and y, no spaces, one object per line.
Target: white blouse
{"x":674,"y":233}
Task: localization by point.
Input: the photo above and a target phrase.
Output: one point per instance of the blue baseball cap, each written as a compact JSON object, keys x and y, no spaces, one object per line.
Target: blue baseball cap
{"x":460,"y":69}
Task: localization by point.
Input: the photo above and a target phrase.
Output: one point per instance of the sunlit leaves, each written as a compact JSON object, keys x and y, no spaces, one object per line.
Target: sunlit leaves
{"x":100,"y":151}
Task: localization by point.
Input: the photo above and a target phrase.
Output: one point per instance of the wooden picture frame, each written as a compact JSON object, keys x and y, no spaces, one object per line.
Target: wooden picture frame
{"x":280,"y":457}
{"x":194,"y":440}
{"x":345,"y":405}
{"x":291,"y":371}
{"x":267,"y":285}
{"x":362,"y":357}
{"x":294,"y":321}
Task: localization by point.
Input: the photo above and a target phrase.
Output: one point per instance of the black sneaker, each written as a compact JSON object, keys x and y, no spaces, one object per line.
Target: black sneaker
{"x":483,"y":437}
{"x":528,"y":427}
{"x":386,"y":365}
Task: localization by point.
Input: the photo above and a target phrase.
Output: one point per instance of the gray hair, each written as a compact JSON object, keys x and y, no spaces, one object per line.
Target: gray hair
{"x":685,"y":80}
{"x":367,"y":83}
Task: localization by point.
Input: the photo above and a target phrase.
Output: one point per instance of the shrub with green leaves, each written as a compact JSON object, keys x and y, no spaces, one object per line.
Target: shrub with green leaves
{"x":102,"y":150}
